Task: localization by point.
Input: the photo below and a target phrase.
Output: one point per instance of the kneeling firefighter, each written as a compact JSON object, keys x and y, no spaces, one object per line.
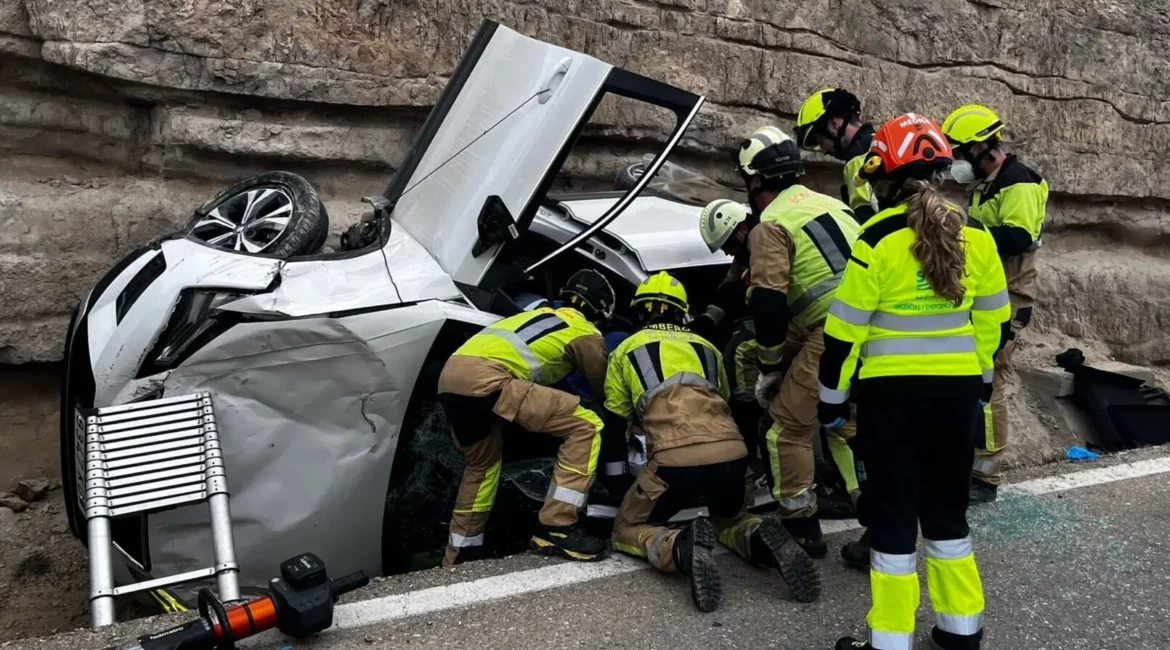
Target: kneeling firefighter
{"x":502,"y":376}
{"x":923,"y":307}
{"x":670,"y":381}
{"x":797,"y":242}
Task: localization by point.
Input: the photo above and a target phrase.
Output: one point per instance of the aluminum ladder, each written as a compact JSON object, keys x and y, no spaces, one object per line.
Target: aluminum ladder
{"x":145,"y":457}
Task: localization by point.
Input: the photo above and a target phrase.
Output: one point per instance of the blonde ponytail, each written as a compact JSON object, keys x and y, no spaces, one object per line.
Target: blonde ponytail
{"x":939,"y":246}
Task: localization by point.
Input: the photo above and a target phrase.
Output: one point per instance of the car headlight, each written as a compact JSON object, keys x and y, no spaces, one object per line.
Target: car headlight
{"x":195,"y":321}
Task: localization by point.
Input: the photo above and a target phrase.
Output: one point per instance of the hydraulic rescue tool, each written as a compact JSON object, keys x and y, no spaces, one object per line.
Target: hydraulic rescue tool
{"x":299,"y":603}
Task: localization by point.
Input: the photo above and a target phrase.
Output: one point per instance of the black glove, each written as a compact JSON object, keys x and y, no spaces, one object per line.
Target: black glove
{"x":987,"y":390}
{"x":833,"y":414}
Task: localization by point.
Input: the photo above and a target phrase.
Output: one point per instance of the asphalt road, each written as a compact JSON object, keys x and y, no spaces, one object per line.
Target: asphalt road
{"x":1085,"y":568}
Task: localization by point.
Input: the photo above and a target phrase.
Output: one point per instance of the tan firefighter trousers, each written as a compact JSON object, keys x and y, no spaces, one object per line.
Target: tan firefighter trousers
{"x":988,"y":460}
{"x":791,"y":464}
{"x":670,"y":482}
{"x":479,"y":397}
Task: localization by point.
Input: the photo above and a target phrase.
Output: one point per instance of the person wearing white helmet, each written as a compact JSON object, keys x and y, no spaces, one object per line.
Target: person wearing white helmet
{"x":795,"y":243}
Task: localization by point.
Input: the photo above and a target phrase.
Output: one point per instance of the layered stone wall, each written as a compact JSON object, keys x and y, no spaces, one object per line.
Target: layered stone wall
{"x":116,"y":119}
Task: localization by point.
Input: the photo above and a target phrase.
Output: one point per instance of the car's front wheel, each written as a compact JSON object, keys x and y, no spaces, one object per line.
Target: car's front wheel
{"x":275,"y":213}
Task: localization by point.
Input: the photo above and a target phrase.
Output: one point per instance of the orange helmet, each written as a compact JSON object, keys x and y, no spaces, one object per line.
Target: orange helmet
{"x":908,"y":146}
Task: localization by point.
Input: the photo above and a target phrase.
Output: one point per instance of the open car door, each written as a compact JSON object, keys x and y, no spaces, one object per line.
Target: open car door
{"x":496,"y":139}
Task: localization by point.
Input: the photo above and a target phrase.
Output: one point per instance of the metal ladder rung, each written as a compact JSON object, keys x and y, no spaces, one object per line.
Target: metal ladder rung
{"x":141,"y":442}
{"x":137,"y":406}
{"x":152,"y":506}
{"x":134,"y":470}
{"x":124,"y":457}
{"x":193,"y":424}
{"x":146,"y":422}
{"x":193,"y":407}
{"x":177,"y":579}
{"x":119,"y":481}
{"x":122,"y":491}
{"x":198,"y":491}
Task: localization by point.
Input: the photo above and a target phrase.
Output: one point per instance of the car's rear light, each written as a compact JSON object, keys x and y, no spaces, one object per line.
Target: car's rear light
{"x":195,"y":321}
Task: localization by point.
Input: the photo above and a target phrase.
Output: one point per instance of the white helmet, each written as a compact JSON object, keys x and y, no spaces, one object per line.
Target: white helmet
{"x":719,"y":220}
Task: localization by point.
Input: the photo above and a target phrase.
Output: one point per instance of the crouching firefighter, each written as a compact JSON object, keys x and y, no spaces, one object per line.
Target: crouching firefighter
{"x":502,"y":376}
{"x":670,"y":381}
{"x":797,"y":242}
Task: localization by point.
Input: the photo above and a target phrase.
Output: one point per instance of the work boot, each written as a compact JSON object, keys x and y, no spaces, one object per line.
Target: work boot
{"x":807,"y":532}
{"x":567,"y":541}
{"x":694,"y":557}
{"x":981,"y":492}
{"x":772,"y":546}
{"x":856,"y":554}
{"x":849,"y":643}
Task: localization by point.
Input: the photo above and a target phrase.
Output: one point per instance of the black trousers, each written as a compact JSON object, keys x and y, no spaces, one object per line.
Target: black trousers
{"x":915,"y":454}
{"x":721,"y":486}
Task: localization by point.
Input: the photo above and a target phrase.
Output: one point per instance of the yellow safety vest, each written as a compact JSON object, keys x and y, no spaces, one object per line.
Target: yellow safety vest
{"x":823,"y":231}
{"x":892,"y":320}
{"x":656,"y":358}
{"x":532,"y":345}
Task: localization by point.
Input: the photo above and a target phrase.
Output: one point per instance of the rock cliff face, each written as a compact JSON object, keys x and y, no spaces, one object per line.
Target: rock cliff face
{"x":116,"y":119}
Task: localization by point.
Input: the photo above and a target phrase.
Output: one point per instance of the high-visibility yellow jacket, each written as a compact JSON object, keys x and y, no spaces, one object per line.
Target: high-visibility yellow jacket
{"x":858,"y":195}
{"x":798,"y":252}
{"x":1012,"y":203}
{"x":886,"y":315}
{"x":671,"y":381}
{"x":542,"y":346}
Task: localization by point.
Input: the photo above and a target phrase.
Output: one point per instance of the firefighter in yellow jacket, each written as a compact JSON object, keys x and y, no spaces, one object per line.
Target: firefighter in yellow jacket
{"x":502,"y":376}
{"x":796,"y":242}
{"x":670,"y":381}
{"x":829,"y":120}
{"x":1010,"y":199}
{"x":922,"y":309}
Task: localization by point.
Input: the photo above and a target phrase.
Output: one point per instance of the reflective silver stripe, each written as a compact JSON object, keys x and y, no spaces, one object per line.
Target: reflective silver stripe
{"x":798,"y":502}
{"x":646,"y":367}
{"x":652,"y":548}
{"x":849,"y":313}
{"x":710,"y":368}
{"x":460,"y":541}
{"x":801,"y":302}
{"x":985,"y":467}
{"x":571,"y":497}
{"x":525,"y":352}
{"x":533,"y":330}
{"x":833,"y":255}
{"x":615,"y":469}
{"x":770,"y":355}
{"x":951,"y":549}
{"x":992,"y":302}
{"x":925,"y":323}
{"x":891,"y":640}
{"x":830,"y":395}
{"x":919,"y":345}
{"x":892,"y":565}
{"x":688,"y":378}
{"x":956,"y":624}
{"x":989,"y":375}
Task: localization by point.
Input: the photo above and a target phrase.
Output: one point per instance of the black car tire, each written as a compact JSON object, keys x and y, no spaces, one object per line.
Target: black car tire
{"x":304,"y":233}
{"x":628,"y":176}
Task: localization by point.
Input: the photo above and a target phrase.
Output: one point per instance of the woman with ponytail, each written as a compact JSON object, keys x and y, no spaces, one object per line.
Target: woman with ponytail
{"x":917,"y":320}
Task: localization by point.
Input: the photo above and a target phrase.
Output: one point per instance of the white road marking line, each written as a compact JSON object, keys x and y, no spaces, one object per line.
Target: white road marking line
{"x":483,"y":590}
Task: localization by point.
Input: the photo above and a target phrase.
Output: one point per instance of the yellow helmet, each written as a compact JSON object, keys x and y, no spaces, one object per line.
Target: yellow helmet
{"x":769,"y":152}
{"x":663,"y":290}
{"x":971,"y":123}
{"x":818,"y":109}
{"x":719,"y":220}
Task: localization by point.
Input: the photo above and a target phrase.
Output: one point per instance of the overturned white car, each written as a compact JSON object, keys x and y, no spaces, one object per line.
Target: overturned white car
{"x":323,"y":366}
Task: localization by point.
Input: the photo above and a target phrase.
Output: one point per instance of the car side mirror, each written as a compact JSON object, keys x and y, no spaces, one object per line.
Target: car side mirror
{"x":495,"y":224}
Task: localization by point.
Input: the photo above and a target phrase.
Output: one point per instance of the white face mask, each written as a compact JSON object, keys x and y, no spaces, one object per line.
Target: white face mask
{"x":963,"y":172}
